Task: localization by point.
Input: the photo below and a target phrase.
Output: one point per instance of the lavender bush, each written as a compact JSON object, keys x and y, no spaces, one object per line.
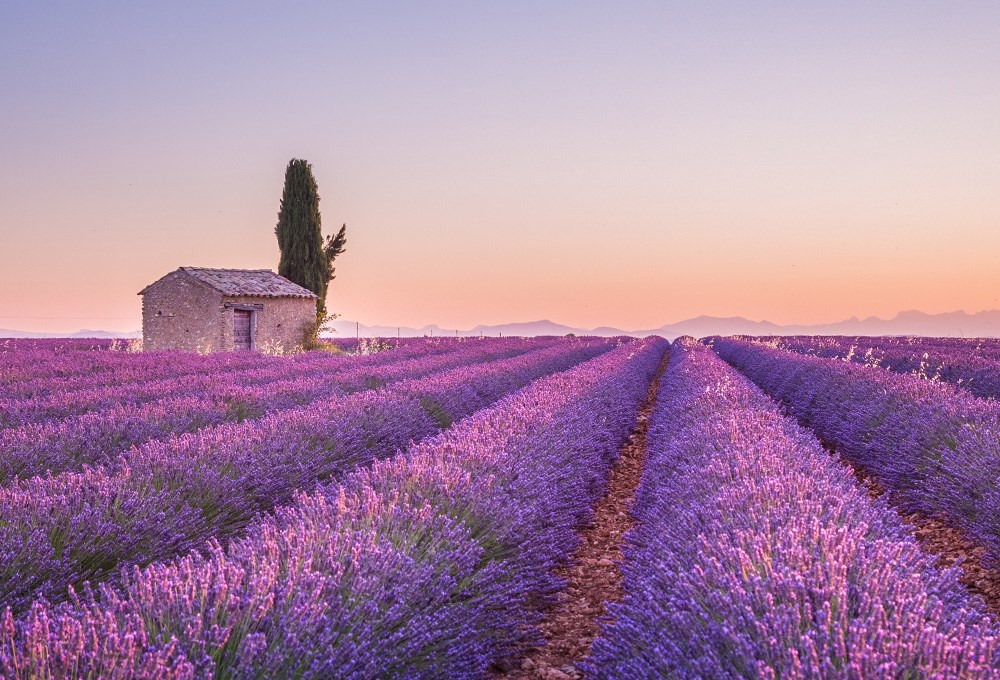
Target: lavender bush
{"x":222,"y":383}
{"x":934,"y":447}
{"x":168,"y":496}
{"x":97,"y":437}
{"x":32,"y":368}
{"x":759,"y":556}
{"x":431,"y":564}
{"x":970,"y":363}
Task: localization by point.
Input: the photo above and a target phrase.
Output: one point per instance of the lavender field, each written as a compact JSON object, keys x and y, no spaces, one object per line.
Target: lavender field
{"x":434,"y":509}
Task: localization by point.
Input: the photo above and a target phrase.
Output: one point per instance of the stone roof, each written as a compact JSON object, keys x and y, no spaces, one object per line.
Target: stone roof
{"x":247,"y":282}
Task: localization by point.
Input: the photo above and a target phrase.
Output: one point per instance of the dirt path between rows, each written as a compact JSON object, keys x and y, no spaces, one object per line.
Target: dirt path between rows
{"x":947,"y":543}
{"x":593,"y":575}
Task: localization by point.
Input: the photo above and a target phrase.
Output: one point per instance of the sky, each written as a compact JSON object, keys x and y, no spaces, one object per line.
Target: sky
{"x":628,"y":164}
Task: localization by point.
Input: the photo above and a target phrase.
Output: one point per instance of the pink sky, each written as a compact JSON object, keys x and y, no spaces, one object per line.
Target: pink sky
{"x":626,"y":165}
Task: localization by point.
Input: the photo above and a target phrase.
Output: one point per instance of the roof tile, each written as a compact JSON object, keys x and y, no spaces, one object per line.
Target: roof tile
{"x":255,"y":282}
{"x":249,"y":282}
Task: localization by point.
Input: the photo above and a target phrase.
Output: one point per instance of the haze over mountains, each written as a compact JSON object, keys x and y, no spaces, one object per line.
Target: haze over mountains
{"x":959,"y":324}
{"x":981,"y":324}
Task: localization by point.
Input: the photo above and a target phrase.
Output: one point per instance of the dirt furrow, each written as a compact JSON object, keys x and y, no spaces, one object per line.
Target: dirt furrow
{"x":946,"y":542}
{"x":593,"y":574}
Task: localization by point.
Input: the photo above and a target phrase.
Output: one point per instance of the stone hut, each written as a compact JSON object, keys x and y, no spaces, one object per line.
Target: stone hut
{"x":221,"y":310}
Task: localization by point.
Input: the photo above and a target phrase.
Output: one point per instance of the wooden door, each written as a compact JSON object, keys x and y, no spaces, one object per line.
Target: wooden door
{"x":241,"y":329}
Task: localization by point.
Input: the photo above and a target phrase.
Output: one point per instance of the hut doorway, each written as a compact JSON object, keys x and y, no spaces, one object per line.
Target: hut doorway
{"x":242,"y":325}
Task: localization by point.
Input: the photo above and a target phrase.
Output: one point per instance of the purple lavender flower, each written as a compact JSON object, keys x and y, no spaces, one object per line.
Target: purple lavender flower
{"x":431,"y":564}
{"x":934,"y":447}
{"x":758,"y":555}
{"x":166,"y":497}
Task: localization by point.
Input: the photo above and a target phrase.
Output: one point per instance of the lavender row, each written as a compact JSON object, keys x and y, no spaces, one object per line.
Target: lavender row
{"x":97,"y":438}
{"x":167,"y":497}
{"x":973,"y":364}
{"x":431,"y":564}
{"x":8,"y":345}
{"x":35,"y":366}
{"x":54,"y":372}
{"x":757,"y":555}
{"x":17,"y":412}
{"x":176,"y":374}
{"x":987,"y":348}
{"x":934,"y":447}
{"x":188,"y":381}
{"x":28,"y":371}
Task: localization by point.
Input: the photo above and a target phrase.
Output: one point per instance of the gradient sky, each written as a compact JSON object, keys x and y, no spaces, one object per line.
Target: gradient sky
{"x":628,"y":164}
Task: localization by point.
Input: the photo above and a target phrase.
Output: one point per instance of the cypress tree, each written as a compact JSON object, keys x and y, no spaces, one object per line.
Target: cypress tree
{"x":305,"y":258}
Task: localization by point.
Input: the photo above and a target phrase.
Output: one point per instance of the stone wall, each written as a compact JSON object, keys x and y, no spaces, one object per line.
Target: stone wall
{"x":280,"y":325}
{"x":180,"y":312}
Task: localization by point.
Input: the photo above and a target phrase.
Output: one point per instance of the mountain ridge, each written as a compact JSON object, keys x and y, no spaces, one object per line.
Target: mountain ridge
{"x":907,"y":322}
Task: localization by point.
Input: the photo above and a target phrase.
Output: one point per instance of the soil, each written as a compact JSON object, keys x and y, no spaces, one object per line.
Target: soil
{"x":949,"y":545}
{"x":592,"y":574}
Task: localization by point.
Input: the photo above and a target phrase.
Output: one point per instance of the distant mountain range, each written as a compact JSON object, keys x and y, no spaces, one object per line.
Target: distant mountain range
{"x":981,"y":324}
{"x":960,"y":324}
